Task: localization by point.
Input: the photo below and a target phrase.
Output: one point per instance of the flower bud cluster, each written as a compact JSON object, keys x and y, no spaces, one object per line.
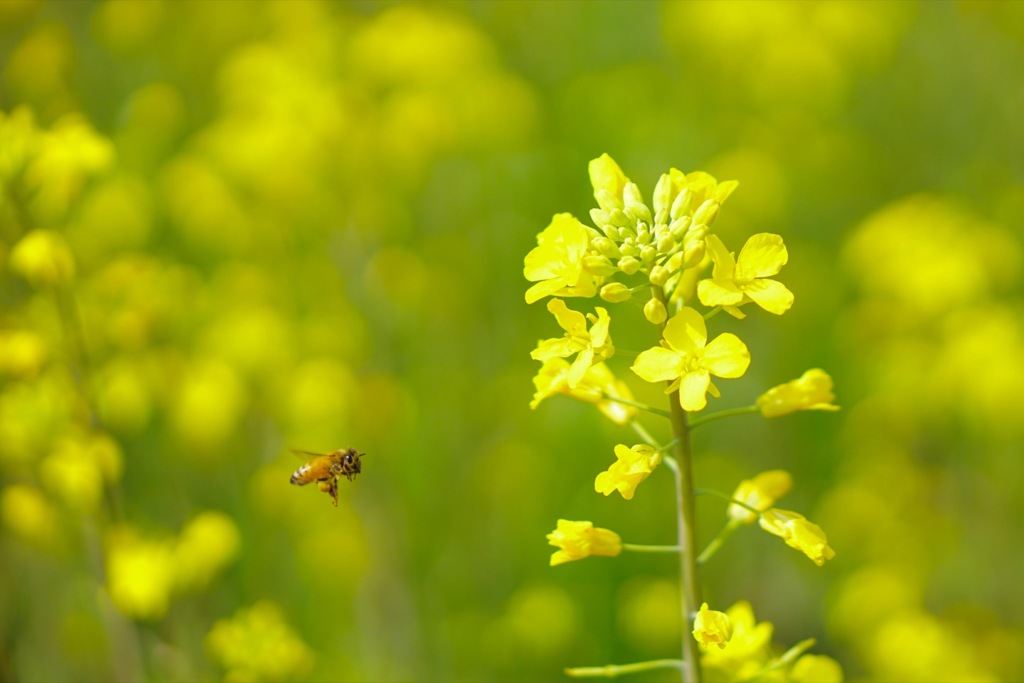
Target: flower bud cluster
{"x":659,"y":240}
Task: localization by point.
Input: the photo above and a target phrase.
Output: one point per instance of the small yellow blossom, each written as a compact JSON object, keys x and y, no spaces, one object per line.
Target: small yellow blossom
{"x":686,"y":358}
{"x":257,"y":644}
{"x":556,"y":263}
{"x":139,"y":576}
{"x":43,"y":258}
{"x":735,"y":281}
{"x":816,"y":669}
{"x":711,"y":627}
{"x":798,"y":533}
{"x":593,"y":345}
{"x":578,"y":540}
{"x":632,"y":466}
{"x":598,"y":386}
{"x":747,"y":650}
{"x":812,"y":391}
{"x":760,"y":493}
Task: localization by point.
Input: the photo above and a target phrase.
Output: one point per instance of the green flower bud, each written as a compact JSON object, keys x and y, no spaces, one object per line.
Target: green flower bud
{"x":707,"y":212}
{"x":600,"y":217}
{"x":648,"y":253}
{"x":643,"y":234}
{"x":666,"y":244}
{"x":693,"y":253}
{"x":629,"y":248}
{"x":634,"y":202}
{"x":629,"y":265}
{"x":613,"y":233}
{"x":663,"y":194}
{"x":605,"y":246}
{"x":679,"y":227}
{"x":607,"y":201}
{"x":655,"y":312}
{"x":619,"y":218}
{"x":683,"y":204}
{"x":659,"y":275}
{"x":675,"y":262}
{"x":616,"y":292}
{"x":598,"y":265}
{"x":661,"y":217}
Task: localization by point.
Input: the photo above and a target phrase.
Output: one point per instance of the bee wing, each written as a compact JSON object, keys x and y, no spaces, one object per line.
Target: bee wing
{"x":296,"y":451}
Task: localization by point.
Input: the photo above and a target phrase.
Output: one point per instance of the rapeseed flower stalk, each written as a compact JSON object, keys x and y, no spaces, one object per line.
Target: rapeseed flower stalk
{"x":661,"y":251}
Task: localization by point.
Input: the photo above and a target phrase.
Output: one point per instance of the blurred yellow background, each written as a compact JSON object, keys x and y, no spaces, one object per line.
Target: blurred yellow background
{"x":228,"y":229}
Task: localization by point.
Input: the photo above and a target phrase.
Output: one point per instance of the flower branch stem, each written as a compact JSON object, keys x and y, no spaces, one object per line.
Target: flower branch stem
{"x":613,"y":670}
{"x":635,"y":404}
{"x":689,"y":595}
{"x":717,"y":542}
{"x":704,"y":419}
{"x":638,"y":548}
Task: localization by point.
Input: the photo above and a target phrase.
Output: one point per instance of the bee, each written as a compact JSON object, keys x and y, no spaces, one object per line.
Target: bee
{"x":325,"y":469}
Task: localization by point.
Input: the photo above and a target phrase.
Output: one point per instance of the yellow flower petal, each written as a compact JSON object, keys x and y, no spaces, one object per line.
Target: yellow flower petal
{"x":760,"y":493}
{"x":726,"y":356}
{"x":763,"y":255}
{"x":812,"y":391}
{"x":606,"y":175}
{"x":578,"y":540}
{"x":658,"y":364}
{"x":632,"y":466}
{"x":798,"y":533}
{"x":686,"y":331}
{"x":719,"y":292}
{"x":770,"y":295}
{"x":711,"y":627}
{"x":693,"y":390}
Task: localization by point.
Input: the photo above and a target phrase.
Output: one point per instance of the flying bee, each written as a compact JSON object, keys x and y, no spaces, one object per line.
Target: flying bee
{"x":325,"y":469}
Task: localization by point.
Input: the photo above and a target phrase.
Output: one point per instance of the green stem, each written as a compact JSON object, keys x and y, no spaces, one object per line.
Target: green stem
{"x":718,"y":541}
{"x":635,"y":404}
{"x":638,"y":548}
{"x":711,"y":417}
{"x":689,"y":595}
{"x":613,"y":670}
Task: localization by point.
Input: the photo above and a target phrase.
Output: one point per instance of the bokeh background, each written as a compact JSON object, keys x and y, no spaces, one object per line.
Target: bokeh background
{"x":277,"y":225}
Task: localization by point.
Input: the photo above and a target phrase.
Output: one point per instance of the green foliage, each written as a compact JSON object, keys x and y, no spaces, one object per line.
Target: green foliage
{"x":230,"y":229}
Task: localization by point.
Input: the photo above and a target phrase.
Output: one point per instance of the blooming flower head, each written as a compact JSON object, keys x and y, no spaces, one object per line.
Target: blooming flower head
{"x":760,"y":493}
{"x":578,"y":540}
{"x":711,"y":627}
{"x":747,"y":651}
{"x":591,"y":345}
{"x":798,"y":533}
{"x":598,"y":386}
{"x":812,"y":391}
{"x":632,"y":466}
{"x":735,"y":281}
{"x":556,"y":263}
{"x":686,"y":359}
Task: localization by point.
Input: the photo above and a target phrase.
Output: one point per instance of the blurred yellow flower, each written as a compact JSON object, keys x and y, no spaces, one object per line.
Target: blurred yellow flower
{"x":28,"y":514}
{"x":816,"y":669}
{"x":256,"y":644}
{"x":578,"y":540}
{"x":760,"y":493}
{"x":139,"y":576}
{"x":798,"y":533}
{"x":811,"y":391}
{"x":632,"y":466}
{"x":591,"y":346}
{"x":688,"y":360}
{"x":735,"y":281}
{"x":556,"y":263}
{"x":22,"y":353}
{"x":208,"y":543}
{"x":43,"y":258}
{"x":598,"y":383}
{"x":711,"y":627}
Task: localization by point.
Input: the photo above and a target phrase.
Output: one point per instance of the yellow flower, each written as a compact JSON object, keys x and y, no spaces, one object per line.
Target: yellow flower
{"x":597,"y":383}
{"x":816,"y":669}
{"x":632,"y":466}
{"x":798,"y":533}
{"x":747,"y":650}
{"x":556,"y":263}
{"x":608,"y":182}
{"x":687,"y":358}
{"x":812,"y":391}
{"x":591,"y":346}
{"x":736,"y":281}
{"x":711,"y":627}
{"x":760,"y":493}
{"x":43,"y":258}
{"x":257,"y":644}
{"x":578,"y":540}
